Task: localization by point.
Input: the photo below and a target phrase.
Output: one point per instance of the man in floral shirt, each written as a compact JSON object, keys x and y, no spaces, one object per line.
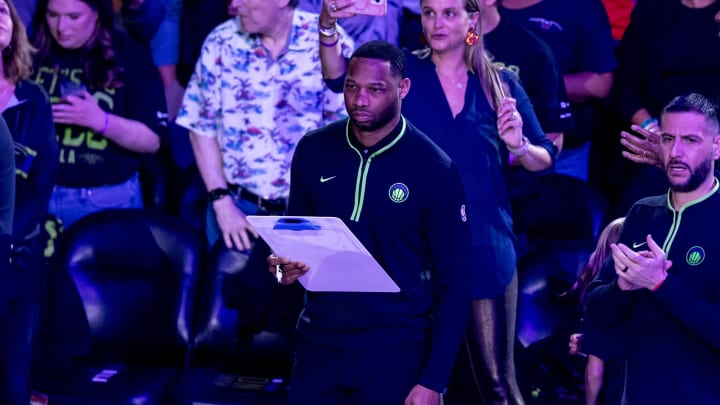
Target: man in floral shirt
{"x":256,"y":90}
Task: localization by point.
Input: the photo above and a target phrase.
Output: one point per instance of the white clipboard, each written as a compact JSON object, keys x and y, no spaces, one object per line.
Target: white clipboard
{"x":338,"y":260}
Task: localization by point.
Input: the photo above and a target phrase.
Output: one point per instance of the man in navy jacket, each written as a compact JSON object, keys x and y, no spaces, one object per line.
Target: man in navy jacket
{"x":665,"y":289}
{"x":403,"y":198}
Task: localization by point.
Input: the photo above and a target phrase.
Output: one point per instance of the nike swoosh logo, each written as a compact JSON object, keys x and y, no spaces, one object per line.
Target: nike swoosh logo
{"x":637,"y":245}
{"x":326,"y":179}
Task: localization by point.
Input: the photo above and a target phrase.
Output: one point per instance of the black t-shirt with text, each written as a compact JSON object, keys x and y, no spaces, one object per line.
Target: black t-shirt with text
{"x":88,"y":159}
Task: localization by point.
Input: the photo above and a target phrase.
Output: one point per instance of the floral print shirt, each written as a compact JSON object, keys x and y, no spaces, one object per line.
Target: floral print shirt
{"x":258,"y":107}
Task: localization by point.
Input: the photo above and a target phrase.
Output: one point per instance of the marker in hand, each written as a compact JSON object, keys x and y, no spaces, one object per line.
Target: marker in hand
{"x":278,"y":273}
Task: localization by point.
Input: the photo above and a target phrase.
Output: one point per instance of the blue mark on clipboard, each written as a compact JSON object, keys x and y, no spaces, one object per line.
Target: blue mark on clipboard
{"x":296,"y":224}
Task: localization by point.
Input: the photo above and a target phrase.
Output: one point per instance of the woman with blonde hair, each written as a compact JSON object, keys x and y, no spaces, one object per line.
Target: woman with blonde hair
{"x":482,"y":118}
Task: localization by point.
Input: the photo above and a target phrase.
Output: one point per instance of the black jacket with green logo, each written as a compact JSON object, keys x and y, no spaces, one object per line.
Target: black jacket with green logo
{"x":404,"y":200}
{"x":672,"y":346}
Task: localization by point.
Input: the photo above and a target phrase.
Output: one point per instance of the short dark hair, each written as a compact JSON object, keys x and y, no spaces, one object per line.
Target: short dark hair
{"x":293,"y":3}
{"x":696,"y":103}
{"x":386,"y":51}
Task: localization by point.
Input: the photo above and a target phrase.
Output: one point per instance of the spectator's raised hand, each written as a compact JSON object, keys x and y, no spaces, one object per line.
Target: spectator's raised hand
{"x":642,"y":148}
{"x":332,"y":10}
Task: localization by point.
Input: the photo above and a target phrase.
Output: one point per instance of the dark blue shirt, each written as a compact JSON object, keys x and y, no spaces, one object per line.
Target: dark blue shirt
{"x":472,"y":142}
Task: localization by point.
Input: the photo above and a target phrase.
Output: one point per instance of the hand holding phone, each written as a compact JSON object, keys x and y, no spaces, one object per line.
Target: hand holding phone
{"x":368,"y":7}
{"x":349,"y":8}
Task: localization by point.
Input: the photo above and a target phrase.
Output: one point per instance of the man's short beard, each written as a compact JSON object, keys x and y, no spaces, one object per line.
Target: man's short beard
{"x":697,"y":177}
{"x":375,"y":125}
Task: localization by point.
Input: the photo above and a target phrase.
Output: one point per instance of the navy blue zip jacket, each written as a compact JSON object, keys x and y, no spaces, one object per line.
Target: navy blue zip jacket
{"x":404,"y":200}
{"x":672,"y":346}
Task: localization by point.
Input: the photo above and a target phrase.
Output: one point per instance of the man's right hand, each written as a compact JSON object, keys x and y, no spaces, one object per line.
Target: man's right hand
{"x":333,"y":10}
{"x":236,"y":230}
{"x":620,"y":262}
{"x":643,"y":148}
{"x":290,"y":271}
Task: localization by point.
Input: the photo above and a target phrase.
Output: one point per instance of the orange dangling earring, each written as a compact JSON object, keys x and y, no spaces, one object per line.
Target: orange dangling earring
{"x":472,"y":37}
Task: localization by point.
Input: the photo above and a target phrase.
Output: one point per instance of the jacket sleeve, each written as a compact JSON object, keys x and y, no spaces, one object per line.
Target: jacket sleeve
{"x":606,"y":305}
{"x":449,"y":241}
{"x":32,"y":204}
{"x":7,"y":180}
{"x":531,"y":125}
{"x":691,"y":310}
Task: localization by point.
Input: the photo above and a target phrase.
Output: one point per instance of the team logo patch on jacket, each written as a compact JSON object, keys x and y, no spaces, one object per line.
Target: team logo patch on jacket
{"x":398,"y":192}
{"x":695,"y":255}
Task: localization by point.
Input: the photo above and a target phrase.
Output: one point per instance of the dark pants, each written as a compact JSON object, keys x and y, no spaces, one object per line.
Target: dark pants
{"x":22,"y":287}
{"x":17,"y":328}
{"x":248,"y":286}
{"x":325,"y":375}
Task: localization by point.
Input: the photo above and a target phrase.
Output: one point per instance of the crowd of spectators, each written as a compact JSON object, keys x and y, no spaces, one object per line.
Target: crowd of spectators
{"x":108,"y":101}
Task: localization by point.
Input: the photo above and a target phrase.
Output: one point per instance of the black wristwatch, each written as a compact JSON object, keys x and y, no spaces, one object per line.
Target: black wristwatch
{"x":217,"y":193}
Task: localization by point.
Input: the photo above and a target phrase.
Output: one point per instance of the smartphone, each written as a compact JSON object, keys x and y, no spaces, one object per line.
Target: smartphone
{"x":368,"y":7}
{"x":70,"y":88}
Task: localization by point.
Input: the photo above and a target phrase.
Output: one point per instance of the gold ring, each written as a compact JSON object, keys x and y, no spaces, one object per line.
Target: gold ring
{"x":333,"y":7}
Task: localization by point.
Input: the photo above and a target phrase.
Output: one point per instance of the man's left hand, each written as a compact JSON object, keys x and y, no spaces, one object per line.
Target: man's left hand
{"x":642,"y":269}
{"x":420,"y":395}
